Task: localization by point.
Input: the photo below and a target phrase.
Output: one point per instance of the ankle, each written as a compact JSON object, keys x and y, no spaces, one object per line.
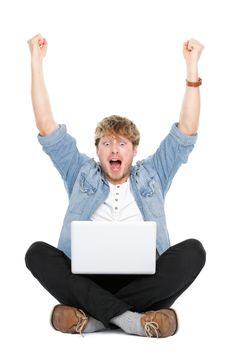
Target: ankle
{"x":129,"y":322}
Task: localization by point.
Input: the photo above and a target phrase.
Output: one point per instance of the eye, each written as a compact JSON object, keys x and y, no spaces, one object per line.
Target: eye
{"x":122,"y":143}
{"x":107,"y":144}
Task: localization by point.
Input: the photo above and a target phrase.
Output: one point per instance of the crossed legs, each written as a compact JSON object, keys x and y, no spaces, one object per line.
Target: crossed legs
{"x":106,"y":296}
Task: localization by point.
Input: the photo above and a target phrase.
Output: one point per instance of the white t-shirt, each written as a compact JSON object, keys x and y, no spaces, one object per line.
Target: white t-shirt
{"x":120,"y":205}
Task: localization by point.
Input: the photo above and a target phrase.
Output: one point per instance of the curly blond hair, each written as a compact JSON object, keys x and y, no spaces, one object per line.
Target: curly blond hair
{"x":117,"y":126}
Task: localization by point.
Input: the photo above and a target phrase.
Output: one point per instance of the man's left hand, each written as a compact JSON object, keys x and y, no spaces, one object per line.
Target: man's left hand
{"x":192,"y":50}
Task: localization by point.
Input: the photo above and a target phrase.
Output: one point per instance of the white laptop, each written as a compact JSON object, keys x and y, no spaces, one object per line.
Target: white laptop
{"x":113,"y":247}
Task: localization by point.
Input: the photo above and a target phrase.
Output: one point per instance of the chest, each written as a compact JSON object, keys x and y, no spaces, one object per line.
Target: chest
{"x":120,"y":205}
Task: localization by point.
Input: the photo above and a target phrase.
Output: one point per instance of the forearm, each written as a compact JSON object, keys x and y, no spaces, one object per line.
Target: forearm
{"x":190,"y":111}
{"x":40,"y":101}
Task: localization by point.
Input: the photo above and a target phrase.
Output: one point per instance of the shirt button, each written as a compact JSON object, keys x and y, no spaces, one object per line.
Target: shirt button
{"x":116,"y":208}
{"x":116,"y":199}
{"x":117,"y":194}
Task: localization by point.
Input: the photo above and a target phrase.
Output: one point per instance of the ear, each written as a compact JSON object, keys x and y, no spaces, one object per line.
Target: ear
{"x":135,"y":151}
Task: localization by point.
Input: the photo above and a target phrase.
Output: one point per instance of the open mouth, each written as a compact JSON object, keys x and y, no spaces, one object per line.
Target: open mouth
{"x":115,"y":164}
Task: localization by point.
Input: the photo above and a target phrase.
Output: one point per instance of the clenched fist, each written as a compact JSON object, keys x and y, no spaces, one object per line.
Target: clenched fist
{"x":38,"y":48}
{"x":192,"y":50}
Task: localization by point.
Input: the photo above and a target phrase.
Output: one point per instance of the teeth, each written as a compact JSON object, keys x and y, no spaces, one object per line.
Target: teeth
{"x":115,"y":161}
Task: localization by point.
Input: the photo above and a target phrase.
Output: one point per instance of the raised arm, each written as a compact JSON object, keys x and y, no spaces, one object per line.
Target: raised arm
{"x":190,"y":111}
{"x":40,"y":99}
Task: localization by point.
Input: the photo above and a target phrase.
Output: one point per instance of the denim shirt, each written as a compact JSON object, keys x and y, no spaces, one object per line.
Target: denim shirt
{"x":87,"y":187}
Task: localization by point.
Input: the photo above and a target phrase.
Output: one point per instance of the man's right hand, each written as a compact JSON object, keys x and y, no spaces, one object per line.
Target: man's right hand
{"x":38,"y":48}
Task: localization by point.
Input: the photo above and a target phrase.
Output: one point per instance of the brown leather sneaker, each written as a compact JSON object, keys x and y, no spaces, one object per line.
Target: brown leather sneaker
{"x":68,"y":319}
{"x":162,"y":323}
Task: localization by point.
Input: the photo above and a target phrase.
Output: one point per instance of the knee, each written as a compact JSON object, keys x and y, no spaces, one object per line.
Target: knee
{"x":196,"y":252}
{"x":33,"y":254}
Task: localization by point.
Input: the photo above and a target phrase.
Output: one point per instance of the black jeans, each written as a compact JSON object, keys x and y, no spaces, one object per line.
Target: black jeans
{"x":106,"y":296}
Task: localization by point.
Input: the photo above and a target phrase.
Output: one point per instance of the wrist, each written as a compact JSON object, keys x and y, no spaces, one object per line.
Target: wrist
{"x":192,"y":72}
{"x":36,"y":64}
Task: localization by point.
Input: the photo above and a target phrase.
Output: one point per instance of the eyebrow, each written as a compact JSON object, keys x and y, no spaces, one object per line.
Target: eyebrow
{"x":110,"y":139}
{"x":105,"y":139}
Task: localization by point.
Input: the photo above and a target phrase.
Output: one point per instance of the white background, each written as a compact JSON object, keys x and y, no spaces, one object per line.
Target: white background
{"x":115,"y":57}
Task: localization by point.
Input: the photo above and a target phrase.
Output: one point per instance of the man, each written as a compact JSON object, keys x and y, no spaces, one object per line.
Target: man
{"x":138,"y":304}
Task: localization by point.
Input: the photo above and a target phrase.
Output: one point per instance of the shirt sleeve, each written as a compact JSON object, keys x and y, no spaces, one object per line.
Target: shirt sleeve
{"x":173,"y":151}
{"x":62,"y":150}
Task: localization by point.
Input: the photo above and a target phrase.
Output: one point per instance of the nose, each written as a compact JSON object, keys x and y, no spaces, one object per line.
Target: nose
{"x":114,"y":148}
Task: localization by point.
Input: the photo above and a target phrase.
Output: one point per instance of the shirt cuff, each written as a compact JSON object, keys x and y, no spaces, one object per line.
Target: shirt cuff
{"x":55,"y":136}
{"x":181,"y":137}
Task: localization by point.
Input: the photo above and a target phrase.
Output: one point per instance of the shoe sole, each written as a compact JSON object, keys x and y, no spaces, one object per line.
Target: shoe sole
{"x":51,"y":316}
{"x":177,"y":321}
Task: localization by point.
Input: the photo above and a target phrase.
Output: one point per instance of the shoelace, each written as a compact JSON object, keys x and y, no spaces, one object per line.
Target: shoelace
{"x":82,"y":321}
{"x":151,"y":328}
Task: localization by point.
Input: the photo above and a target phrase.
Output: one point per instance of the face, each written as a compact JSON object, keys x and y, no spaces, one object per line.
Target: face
{"x":116,"y":155}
